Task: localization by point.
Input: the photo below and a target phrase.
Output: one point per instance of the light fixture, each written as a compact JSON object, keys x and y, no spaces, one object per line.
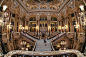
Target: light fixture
{"x":66,"y":26}
{"x":26,"y":27}
{"x":1,"y":21}
{"x":36,"y":27}
{"x":76,"y":26}
{"x":81,"y":7}
{"x":28,"y":45}
{"x":59,"y":27}
{"x":49,"y":27}
{"x":20,"y":26}
{"x":4,"y":7}
{"x":58,"y":45}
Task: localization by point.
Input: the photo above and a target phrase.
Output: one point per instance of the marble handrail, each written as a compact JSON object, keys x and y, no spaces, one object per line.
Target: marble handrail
{"x":45,"y":53}
{"x":59,"y":37}
{"x":28,"y":37}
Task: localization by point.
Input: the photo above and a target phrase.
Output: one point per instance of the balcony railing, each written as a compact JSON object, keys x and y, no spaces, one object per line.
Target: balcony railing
{"x":43,"y":19}
{"x":62,"y":53}
{"x":33,"y":25}
{"x":53,"y":25}
{"x":43,"y":25}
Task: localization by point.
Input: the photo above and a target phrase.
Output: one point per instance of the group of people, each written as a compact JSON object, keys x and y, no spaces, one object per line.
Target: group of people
{"x":24,"y":32}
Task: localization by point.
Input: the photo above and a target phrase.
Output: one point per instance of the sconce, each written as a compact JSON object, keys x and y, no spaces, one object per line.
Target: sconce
{"x":66,"y":26}
{"x":76,"y":26}
{"x":49,"y":29}
{"x":26,"y":27}
{"x":37,"y":29}
{"x":59,"y":27}
{"x":4,"y":7}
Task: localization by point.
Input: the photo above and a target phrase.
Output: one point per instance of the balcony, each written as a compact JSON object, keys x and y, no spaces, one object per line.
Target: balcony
{"x":53,"y":25}
{"x":62,"y":53}
{"x":32,"y":19}
{"x":33,"y":25}
{"x":44,"y":19}
{"x":43,"y":25}
{"x":54,"y":19}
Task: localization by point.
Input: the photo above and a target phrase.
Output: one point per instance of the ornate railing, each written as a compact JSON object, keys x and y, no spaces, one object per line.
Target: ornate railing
{"x":27,"y":37}
{"x":33,"y":36}
{"x":72,"y":52}
{"x":59,"y":37}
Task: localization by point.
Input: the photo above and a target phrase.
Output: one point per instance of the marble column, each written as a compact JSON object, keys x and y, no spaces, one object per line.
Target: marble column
{"x":19,"y":24}
{"x":57,"y":26}
{"x":37,"y":23}
{"x":67,"y":24}
{"x":61,"y":26}
{"x":48,"y":23}
{"x":28,"y":26}
{"x":15,"y":24}
{"x":25,"y":25}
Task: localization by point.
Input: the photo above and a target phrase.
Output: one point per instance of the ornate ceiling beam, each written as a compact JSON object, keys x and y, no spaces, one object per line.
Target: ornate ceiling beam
{"x":22,"y":5}
{"x":1,"y":1}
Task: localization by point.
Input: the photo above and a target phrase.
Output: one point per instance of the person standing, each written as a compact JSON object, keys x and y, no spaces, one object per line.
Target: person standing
{"x":45,"y":41}
{"x":25,"y":33}
{"x":58,"y":35}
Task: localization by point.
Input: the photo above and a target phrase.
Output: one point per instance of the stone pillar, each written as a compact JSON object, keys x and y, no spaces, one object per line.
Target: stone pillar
{"x":47,"y":26}
{"x":10,"y":16}
{"x":61,"y":26}
{"x":28,"y":26}
{"x":48,"y":23}
{"x":57,"y":26}
{"x":19,"y":24}
{"x":25,"y":25}
{"x":15,"y":24}
{"x":71,"y":25}
{"x":37,"y":23}
{"x":67,"y":25}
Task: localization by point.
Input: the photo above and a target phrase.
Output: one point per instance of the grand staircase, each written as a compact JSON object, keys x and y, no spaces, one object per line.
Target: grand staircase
{"x":41,"y":46}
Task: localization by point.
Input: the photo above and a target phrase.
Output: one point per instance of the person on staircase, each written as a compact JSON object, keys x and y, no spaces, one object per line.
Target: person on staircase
{"x":45,"y":41}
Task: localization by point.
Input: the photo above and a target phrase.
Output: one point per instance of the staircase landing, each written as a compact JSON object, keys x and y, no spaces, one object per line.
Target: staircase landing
{"x":41,"y":45}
